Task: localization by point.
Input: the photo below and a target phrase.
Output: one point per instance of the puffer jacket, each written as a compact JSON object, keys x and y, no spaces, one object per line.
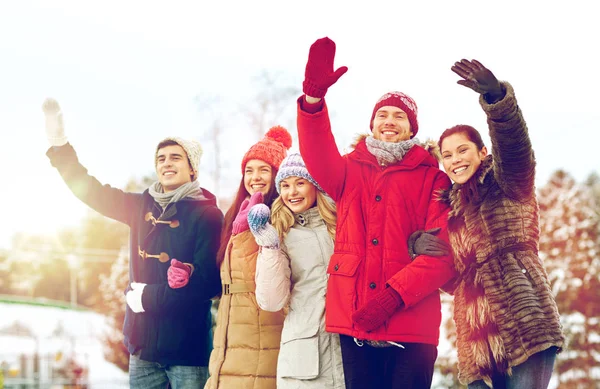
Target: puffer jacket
{"x":379,"y":207}
{"x":296,"y":275}
{"x":246,"y":339}
{"x":504,"y":309}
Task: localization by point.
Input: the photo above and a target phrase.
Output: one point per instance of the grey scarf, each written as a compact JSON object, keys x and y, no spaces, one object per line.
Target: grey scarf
{"x":189,"y":190}
{"x":388,"y":153}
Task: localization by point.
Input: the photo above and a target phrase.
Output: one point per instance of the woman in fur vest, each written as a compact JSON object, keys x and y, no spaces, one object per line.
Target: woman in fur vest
{"x":507,"y":322}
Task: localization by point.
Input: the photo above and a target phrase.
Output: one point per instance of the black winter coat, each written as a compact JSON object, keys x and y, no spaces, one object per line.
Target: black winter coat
{"x":175,"y":327}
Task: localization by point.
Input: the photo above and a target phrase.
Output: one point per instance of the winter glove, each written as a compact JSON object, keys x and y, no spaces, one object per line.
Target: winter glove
{"x":480,"y":79}
{"x":376,"y":311}
{"x":55,"y":129}
{"x":264,"y":233}
{"x":134,"y":297}
{"x":319,"y":74}
{"x":240,"y":223}
{"x":179,"y":274}
{"x":427,"y":243}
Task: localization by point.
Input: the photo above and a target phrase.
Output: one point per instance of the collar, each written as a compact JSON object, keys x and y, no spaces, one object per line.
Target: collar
{"x":309,"y":218}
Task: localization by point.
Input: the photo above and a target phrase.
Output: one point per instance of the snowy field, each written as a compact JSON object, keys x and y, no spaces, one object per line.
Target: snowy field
{"x":56,"y":335}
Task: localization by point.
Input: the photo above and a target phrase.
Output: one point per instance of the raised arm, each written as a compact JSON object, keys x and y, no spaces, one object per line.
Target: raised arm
{"x":317,"y":144}
{"x":109,"y":201}
{"x":514,"y":160}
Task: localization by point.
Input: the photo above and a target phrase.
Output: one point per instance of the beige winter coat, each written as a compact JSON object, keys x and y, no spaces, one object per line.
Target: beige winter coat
{"x":246,"y":339}
{"x":310,"y":357}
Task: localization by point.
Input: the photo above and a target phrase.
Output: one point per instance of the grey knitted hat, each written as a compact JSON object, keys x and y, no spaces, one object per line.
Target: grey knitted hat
{"x":192,"y":148}
{"x":293,"y":166}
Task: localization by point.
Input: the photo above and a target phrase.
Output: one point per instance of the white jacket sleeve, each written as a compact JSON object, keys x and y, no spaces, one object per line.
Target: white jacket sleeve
{"x":273,"y":279}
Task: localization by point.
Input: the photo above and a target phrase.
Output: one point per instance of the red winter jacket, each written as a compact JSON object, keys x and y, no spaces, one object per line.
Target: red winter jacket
{"x":378,"y":208}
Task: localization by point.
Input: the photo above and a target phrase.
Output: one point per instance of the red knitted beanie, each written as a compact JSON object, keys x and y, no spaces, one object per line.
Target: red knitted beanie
{"x":402,"y":101}
{"x":272,"y":148}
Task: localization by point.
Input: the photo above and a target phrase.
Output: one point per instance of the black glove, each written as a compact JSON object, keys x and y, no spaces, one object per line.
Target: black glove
{"x":427,"y":243}
{"x":480,"y":79}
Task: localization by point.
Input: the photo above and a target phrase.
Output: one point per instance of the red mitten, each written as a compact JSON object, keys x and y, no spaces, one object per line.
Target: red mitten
{"x":319,"y":74}
{"x":178,"y":274}
{"x":240,"y":223}
{"x":376,"y":311}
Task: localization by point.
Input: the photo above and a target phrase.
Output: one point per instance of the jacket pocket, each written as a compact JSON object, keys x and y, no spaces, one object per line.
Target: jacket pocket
{"x":299,"y":352}
{"x":341,"y":290}
{"x":343,"y":264}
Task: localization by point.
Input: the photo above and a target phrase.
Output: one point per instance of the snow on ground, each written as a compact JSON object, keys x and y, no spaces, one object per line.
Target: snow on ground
{"x":57,"y":333}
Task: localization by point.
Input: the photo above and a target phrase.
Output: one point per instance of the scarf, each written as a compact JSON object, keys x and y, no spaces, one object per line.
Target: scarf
{"x":388,"y":153}
{"x":188,"y":191}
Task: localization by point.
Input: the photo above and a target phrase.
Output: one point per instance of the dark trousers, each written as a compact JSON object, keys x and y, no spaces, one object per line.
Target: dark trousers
{"x":393,"y":367}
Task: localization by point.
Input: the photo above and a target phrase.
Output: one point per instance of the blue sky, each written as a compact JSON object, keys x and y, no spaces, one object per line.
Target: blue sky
{"x":127,"y":74}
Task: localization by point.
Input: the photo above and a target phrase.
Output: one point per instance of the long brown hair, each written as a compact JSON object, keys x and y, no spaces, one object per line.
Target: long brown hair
{"x":240,"y":196}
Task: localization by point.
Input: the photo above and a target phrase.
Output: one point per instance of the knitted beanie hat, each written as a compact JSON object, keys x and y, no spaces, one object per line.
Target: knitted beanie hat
{"x":293,"y":166}
{"x":192,"y":148}
{"x":402,"y":101}
{"x":271,"y":149}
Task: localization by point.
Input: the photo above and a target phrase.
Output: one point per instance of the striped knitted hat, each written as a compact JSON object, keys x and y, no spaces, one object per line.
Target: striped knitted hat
{"x":293,"y":166}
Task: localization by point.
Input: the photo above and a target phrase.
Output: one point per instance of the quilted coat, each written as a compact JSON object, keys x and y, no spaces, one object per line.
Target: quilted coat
{"x":246,"y":339}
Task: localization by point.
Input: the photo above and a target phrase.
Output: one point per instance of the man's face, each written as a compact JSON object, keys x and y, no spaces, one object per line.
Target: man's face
{"x":172,"y":167}
{"x":391,"y":124}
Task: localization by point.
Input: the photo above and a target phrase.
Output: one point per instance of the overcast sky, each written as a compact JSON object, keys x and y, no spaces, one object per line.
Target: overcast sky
{"x":127,"y":74}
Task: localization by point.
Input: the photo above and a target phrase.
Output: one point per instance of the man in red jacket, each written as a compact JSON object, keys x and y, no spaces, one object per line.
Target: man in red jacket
{"x":384,"y":304}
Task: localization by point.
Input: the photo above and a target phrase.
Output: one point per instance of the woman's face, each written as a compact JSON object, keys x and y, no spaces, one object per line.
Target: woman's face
{"x":258,"y":176}
{"x":460,"y":157}
{"x":298,"y":194}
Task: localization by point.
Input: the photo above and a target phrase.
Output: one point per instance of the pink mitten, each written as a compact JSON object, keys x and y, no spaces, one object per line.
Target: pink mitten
{"x":240,"y":223}
{"x":178,"y":274}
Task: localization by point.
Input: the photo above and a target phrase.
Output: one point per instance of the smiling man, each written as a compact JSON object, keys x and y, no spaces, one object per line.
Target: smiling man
{"x":175,"y":228}
{"x":384,"y":305}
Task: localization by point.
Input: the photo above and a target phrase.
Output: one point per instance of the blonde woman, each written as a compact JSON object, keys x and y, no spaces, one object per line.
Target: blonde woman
{"x":291,"y":271}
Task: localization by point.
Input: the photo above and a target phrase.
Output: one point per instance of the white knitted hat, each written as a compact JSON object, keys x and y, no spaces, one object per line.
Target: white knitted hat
{"x":192,"y":148}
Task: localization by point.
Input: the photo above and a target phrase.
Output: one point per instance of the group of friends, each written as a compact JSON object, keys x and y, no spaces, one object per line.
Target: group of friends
{"x":329,"y":267}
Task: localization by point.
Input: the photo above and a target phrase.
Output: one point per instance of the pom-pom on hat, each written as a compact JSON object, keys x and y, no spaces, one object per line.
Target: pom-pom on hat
{"x":271,"y":149}
{"x":293,"y":166}
{"x":192,"y":148}
{"x":402,"y":101}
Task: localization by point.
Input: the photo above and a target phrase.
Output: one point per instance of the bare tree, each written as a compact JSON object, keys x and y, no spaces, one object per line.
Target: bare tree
{"x":209,"y":107}
{"x":273,"y":100}
{"x":274,"y":103}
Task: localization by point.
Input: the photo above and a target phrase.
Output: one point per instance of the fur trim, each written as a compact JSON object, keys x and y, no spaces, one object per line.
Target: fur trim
{"x":433,"y":148}
{"x":357,"y":139}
